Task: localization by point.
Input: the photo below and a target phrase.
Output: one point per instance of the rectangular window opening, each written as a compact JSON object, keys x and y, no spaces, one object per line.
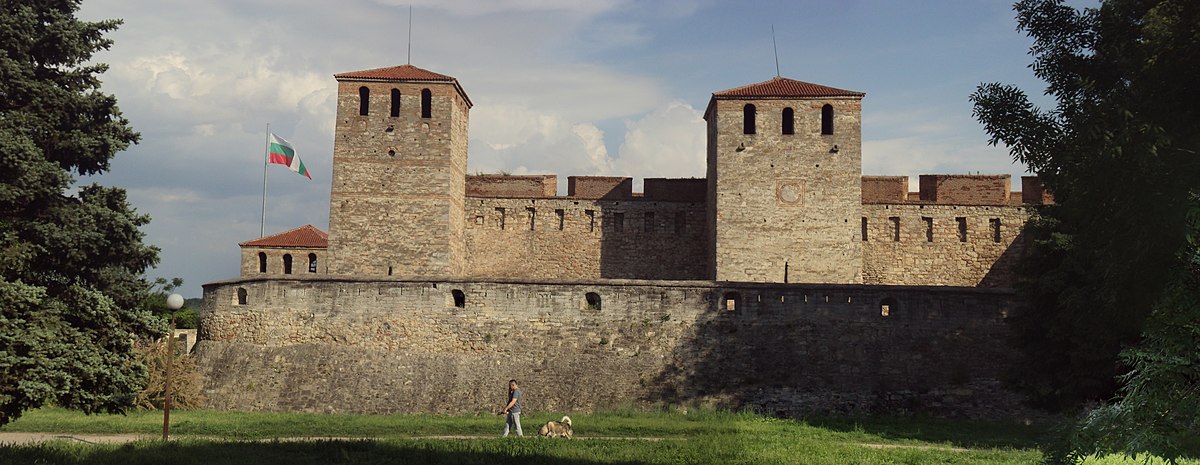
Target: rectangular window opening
{"x":995,"y":224}
{"x":864,"y":229}
{"x":928,"y":228}
{"x":591,"y":214}
{"x":500,"y":214}
{"x":561,"y":215}
{"x":619,"y":222}
{"x":532,"y":218}
{"x":962,"y":228}
{"x":895,"y":228}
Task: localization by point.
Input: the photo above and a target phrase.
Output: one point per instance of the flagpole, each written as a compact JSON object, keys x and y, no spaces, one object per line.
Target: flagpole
{"x":262,"y":227}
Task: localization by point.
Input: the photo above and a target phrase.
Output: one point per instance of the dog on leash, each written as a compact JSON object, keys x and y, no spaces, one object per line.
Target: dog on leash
{"x":556,"y":429}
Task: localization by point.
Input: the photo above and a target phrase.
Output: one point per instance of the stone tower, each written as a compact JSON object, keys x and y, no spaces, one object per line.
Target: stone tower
{"x":399,"y":174}
{"x":784,"y":187}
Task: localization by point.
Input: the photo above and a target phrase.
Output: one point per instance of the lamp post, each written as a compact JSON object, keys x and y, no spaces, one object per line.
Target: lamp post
{"x":174,"y":303}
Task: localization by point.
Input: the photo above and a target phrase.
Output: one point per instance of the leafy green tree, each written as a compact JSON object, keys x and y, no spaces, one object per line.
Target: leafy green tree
{"x":71,"y":258}
{"x":1110,"y":263}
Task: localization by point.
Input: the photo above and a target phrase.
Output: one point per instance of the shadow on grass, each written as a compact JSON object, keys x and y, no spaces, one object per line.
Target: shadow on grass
{"x":958,"y":433}
{"x":499,"y":451}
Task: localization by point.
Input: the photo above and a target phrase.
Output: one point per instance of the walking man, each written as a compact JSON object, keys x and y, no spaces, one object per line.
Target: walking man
{"x":513,"y":408}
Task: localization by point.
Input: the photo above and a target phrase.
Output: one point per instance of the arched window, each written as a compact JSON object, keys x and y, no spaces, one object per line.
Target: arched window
{"x":364,"y":100}
{"x":460,"y":299}
{"x":593,"y":300}
{"x":312,"y":263}
{"x":789,"y":121}
{"x":262,"y":262}
{"x":395,"y":103}
{"x":426,"y":103}
{"x":241,"y":296}
{"x":827,"y":119}
{"x":287,"y":263}
{"x":748,"y":119}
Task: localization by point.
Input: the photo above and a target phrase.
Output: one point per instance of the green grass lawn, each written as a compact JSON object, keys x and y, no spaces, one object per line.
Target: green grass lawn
{"x":621,"y":437}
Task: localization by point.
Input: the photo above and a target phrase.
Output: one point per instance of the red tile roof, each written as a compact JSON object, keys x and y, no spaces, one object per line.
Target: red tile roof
{"x":403,"y":73}
{"x":395,"y":73}
{"x":781,"y":87}
{"x":306,"y":236}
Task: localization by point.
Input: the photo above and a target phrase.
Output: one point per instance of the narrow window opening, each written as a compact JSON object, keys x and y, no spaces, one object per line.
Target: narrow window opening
{"x":619,"y":222}
{"x":928,"y":228}
{"x":962,"y":228}
{"x":532,"y":218}
{"x":895,"y":228}
{"x":827,"y":119}
{"x":287,"y":263}
{"x":864,"y":229}
{"x":680,"y":222}
{"x":748,"y":119}
{"x":561,"y":218}
{"x":592,"y":300}
{"x":262,"y":262}
{"x":789,"y":121}
{"x":426,"y":103}
{"x":591,"y":214}
{"x":995,"y":224}
{"x":731,"y":301}
{"x":460,"y":299}
{"x":395,"y":103}
{"x":389,"y":271}
{"x":312,"y":263}
{"x":648,"y":222}
{"x":500,"y":214}
{"x":242,"y":296}
{"x":887,"y":306}
{"x":364,"y":100}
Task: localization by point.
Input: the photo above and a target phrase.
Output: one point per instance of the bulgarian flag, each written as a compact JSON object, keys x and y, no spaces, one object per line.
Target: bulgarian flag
{"x":283,"y":153}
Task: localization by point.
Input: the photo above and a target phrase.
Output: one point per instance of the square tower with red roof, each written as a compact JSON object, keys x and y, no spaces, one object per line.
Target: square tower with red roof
{"x":399,"y":174}
{"x":784,"y":189}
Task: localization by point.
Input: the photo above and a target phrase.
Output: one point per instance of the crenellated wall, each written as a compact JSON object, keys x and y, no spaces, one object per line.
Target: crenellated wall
{"x":568,"y":238}
{"x":344,"y":344}
{"x":925,"y":245}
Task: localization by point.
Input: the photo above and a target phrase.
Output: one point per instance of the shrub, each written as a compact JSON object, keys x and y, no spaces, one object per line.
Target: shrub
{"x":187,"y":386}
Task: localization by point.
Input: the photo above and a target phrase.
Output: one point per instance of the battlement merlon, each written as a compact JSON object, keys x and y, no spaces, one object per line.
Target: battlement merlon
{"x":955,"y":189}
{"x":544,"y":186}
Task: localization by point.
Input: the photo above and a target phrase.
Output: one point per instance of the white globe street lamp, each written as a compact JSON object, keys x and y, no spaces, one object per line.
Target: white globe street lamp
{"x":174,"y":303}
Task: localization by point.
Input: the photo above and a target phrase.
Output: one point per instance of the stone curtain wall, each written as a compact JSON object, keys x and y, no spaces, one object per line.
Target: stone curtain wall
{"x":338,"y":344}
{"x":668,"y":245}
{"x":947,"y":260}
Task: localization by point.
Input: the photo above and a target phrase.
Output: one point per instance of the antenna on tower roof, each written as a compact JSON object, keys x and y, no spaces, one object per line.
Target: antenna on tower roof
{"x":410,"y":34}
{"x":776,"y":47}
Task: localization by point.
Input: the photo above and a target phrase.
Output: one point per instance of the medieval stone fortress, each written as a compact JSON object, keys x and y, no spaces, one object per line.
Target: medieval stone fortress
{"x":784,"y":280}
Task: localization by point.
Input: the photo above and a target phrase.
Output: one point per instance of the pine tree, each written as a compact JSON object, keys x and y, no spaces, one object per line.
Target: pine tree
{"x":71,"y":257}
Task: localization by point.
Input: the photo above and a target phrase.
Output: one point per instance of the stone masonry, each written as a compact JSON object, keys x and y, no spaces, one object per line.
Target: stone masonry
{"x":347,"y":344}
{"x":784,"y":280}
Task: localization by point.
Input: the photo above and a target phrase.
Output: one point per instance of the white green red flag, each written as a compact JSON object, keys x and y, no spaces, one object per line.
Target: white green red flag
{"x":284,"y":153}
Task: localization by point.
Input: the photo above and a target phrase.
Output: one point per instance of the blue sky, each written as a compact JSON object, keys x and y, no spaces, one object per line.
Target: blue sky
{"x":597,"y":87}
